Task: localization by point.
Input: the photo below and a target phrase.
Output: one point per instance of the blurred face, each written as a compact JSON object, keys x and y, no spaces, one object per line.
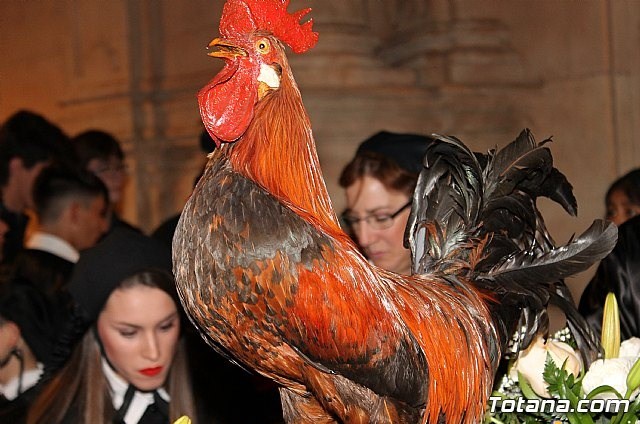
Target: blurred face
{"x":113,"y":174}
{"x":9,"y":334}
{"x":4,"y":228}
{"x":620,"y":208}
{"x":92,"y":221}
{"x":17,"y":193}
{"x":368,"y":200}
{"x":9,"y":339}
{"x":139,"y":328}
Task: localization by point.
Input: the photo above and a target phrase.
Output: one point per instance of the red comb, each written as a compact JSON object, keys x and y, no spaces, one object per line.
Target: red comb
{"x":244,"y":16}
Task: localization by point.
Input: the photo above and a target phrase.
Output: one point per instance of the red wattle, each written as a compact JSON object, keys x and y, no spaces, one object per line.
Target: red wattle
{"x":226,"y":103}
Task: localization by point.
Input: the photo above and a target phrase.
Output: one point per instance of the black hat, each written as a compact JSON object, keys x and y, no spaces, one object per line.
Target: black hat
{"x":407,"y":150}
{"x":121,"y":254}
{"x":34,"y":313}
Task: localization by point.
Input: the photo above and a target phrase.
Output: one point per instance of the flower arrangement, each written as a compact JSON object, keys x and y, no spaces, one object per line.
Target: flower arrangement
{"x":547,"y":382}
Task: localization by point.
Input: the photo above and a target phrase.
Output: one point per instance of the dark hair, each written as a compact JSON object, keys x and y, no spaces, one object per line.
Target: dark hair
{"x":96,"y":144}
{"x":388,"y":172}
{"x":81,"y":388}
{"x":154,"y":278}
{"x":34,"y":312}
{"x":629,"y":184}
{"x":55,"y":186}
{"x":395,"y":159}
{"x":102,"y":268}
{"x":32,"y":138}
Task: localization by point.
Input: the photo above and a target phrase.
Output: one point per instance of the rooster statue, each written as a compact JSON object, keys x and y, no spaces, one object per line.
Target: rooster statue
{"x":271,"y":281}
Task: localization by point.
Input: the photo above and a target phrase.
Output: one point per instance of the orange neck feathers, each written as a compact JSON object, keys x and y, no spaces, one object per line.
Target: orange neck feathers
{"x":279,"y":153}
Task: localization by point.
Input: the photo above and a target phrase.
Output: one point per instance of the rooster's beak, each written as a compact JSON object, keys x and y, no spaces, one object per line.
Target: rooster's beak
{"x":226,"y":49}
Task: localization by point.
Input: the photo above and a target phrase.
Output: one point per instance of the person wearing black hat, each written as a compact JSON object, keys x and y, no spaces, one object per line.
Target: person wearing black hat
{"x":27,"y":319}
{"x":379,"y":182}
{"x":130,"y":365}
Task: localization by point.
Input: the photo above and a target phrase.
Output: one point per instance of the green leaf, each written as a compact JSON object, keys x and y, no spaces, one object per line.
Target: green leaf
{"x":565,"y":390}
{"x":579,"y":418}
{"x":525,"y":387}
{"x":630,"y":416}
{"x":551,"y":371}
{"x":562,"y":382}
{"x":603,"y":389}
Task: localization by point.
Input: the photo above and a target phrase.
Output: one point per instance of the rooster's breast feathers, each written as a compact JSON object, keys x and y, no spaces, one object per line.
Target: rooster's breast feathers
{"x":284,"y":289}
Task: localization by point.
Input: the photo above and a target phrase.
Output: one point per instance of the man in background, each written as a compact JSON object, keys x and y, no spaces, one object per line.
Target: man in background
{"x":72,"y":213}
{"x":28,"y":143}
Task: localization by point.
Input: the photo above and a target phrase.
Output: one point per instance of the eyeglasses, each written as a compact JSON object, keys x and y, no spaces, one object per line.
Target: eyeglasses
{"x":375,"y":221}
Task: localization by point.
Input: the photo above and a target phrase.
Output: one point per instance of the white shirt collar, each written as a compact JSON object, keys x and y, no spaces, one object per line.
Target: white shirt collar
{"x":141,"y":400}
{"x":29,"y":379}
{"x":54,"y":245}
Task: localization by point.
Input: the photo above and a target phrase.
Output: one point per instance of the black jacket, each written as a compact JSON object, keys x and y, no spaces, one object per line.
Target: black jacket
{"x":50,"y":274}
{"x":14,"y":239}
{"x":15,"y":411}
{"x":619,"y":273}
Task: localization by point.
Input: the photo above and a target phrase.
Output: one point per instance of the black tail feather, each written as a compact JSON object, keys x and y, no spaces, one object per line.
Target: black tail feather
{"x":476,"y":215}
{"x":582,"y":333}
{"x":576,"y":256}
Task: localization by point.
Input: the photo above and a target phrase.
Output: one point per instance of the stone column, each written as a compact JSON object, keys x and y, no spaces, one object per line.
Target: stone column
{"x":624,"y":33}
{"x":445,"y":49}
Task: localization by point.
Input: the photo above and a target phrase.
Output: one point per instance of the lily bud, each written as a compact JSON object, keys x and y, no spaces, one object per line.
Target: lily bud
{"x":611,"y":327}
{"x":530,"y":362}
{"x":633,"y":378}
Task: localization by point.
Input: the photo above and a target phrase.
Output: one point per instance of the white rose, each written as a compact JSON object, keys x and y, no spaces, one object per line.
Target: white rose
{"x":611,"y":372}
{"x":530,"y":362}
{"x":630,"y":348}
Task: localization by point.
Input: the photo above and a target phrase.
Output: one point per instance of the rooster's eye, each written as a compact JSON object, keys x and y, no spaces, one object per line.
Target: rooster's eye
{"x":263,"y":46}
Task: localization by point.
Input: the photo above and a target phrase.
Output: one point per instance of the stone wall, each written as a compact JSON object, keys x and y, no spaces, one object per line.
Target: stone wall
{"x":480,"y":70}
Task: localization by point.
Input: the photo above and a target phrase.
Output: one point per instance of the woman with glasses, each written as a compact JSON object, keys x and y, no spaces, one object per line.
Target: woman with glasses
{"x":379,"y":182}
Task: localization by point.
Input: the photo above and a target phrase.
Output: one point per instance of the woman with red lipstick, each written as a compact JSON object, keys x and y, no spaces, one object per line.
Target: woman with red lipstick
{"x":130,"y":366}
{"x":379,"y":182}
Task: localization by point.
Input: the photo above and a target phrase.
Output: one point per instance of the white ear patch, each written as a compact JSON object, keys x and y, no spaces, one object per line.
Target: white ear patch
{"x":269,"y":76}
